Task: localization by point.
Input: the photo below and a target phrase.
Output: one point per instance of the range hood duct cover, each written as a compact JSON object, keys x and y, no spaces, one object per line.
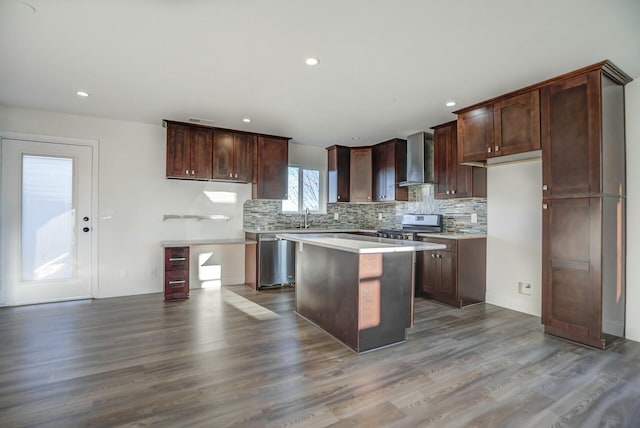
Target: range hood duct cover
{"x":420,"y":166}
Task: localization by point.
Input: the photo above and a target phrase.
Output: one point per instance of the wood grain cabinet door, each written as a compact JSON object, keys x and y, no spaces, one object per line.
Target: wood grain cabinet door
{"x":339,"y":170}
{"x":272,"y":168}
{"x":379,"y":155}
{"x":222,"y":155}
{"x":243,"y":148}
{"x":201,"y":153}
{"x":447,"y":288}
{"x":570,"y":118}
{"x":428,"y":273}
{"x":571,"y":268}
{"x":517,"y":124}
{"x":360,"y":178}
{"x":178,"y":151}
{"x":442,"y":146}
{"x":475,"y":134}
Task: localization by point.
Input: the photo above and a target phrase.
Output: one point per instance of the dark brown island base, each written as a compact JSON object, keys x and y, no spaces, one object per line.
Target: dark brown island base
{"x":359,"y":289}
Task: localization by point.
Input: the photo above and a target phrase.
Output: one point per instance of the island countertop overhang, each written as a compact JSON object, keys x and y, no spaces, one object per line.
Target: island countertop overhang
{"x":359,"y":244}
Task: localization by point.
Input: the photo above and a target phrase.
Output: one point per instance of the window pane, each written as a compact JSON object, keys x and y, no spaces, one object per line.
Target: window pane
{"x":311,"y":189}
{"x":292,"y":203}
{"x":48,"y":243}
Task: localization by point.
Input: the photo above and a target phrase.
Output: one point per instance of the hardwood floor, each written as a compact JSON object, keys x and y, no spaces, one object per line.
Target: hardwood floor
{"x":235,"y":357}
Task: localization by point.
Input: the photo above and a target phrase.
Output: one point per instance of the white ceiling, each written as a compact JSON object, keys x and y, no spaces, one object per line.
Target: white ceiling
{"x":386,"y":66}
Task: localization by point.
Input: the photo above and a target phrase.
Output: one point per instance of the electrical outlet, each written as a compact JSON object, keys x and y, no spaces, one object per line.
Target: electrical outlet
{"x":474,"y":218}
{"x":336,"y":216}
{"x":379,"y":216}
{"x":524,"y":288}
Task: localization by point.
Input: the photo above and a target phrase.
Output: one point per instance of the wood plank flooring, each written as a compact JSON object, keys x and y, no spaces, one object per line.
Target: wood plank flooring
{"x":235,"y":357}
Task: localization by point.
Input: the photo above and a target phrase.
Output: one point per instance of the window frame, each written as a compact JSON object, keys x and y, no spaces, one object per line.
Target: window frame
{"x":322,"y":200}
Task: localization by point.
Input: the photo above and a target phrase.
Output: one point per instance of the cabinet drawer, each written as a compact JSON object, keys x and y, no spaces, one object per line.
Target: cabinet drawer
{"x":176,"y":258}
{"x":176,"y":284}
{"x":451,"y":244}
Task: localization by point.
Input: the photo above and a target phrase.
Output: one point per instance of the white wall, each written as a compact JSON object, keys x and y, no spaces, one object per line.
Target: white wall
{"x":134,"y":195}
{"x":514,"y":235}
{"x":632,"y":94}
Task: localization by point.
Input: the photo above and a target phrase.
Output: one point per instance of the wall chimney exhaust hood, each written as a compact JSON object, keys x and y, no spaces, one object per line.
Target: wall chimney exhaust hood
{"x":420,"y":167}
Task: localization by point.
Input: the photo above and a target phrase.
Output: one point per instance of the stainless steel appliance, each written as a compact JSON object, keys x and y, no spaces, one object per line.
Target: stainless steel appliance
{"x":413,"y":224}
{"x":420,"y":161}
{"x":277,"y":261}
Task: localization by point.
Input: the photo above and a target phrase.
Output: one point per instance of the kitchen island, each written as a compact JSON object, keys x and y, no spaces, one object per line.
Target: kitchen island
{"x":359,"y":289}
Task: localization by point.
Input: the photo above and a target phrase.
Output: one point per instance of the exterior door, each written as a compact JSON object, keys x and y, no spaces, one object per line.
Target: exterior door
{"x":47,"y":225}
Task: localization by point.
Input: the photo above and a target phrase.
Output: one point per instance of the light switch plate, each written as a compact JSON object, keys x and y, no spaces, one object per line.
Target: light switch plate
{"x":336,"y":216}
{"x":474,"y":218}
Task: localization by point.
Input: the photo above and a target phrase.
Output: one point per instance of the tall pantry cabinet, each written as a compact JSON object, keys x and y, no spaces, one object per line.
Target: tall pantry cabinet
{"x":584,"y":197}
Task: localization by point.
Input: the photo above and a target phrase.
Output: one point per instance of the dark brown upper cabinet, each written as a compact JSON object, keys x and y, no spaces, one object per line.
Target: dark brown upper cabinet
{"x":454,"y":180}
{"x":475,"y":134}
{"x":189,"y":152}
{"x":516,"y":125}
{"x":360,"y":180}
{"x":233,"y":156}
{"x":271,"y":168}
{"x":583,"y":136}
{"x":389,"y":168}
{"x":339,"y":169}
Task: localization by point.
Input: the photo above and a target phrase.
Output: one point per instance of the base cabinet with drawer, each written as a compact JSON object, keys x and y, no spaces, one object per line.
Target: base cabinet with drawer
{"x":455,"y":275}
{"x":176,"y":273}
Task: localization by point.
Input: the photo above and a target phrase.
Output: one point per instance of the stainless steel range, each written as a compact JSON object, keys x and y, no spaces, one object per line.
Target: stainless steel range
{"x":412,"y":224}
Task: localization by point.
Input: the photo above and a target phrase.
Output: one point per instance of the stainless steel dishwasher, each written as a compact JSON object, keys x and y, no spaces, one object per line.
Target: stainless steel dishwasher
{"x":277,"y":261}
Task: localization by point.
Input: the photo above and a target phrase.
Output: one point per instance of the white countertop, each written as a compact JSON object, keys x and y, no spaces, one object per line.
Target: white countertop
{"x":309,"y":230}
{"x":451,"y":235}
{"x":358,"y":243}
{"x":194,"y":242}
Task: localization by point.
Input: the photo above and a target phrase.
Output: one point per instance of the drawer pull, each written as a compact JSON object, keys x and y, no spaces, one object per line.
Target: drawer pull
{"x":177,"y":259}
{"x":177,"y":282}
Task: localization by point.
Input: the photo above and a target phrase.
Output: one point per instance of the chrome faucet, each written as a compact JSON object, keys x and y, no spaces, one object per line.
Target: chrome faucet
{"x":306,"y":215}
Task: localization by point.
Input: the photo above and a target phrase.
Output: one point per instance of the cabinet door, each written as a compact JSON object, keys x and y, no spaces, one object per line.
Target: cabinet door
{"x":201,"y":153}
{"x":360,"y":182}
{"x":272,"y":166}
{"x":380,"y":162}
{"x":442,"y":146}
{"x":222,"y":155}
{"x":517,"y":124}
{"x":446,"y":289}
{"x":338,"y":165}
{"x":243,"y":145}
{"x":570,"y":112}
{"x":178,"y":151}
{"x":475,"y":134}
{"x":427,"y":272}
{"x":571,"y":252}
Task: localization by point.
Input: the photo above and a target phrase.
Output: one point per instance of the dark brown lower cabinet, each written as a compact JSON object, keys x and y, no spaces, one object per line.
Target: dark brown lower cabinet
{"x":583,"y":257}
{"x":176,"y":273}
{"x":455,"y":275}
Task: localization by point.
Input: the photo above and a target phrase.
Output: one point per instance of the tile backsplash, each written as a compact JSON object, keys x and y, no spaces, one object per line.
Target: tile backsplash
{"x":266,"y":215}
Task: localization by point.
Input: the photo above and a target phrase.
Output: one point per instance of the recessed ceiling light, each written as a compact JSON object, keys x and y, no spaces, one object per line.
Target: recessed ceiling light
{"x":83,"y":94}
{"x":246,"y":120}
{"x":450,"y":103}
{"x":311,"y":61}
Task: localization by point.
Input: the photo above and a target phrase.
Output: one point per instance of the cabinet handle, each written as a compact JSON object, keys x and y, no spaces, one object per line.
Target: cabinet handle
{"x":230,"y":175}
{"x":338,"y":196}
{"x":488,"y":149}
{"x":497,"y":149}
{"x":186,"y":171}
{"x":545,"y":187}
{"x":236,"y":175}
{"x":193,"y":172}
{"x":433,"y":256}
{"x":545,"y":206}
{"x":453,"y":192}
{"x":447,"y":192}
{"x":177,"y":259}
{"x":177,"y":282}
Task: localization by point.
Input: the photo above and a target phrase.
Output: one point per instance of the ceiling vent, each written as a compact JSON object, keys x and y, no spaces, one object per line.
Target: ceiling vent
{"x":201,"y":121}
